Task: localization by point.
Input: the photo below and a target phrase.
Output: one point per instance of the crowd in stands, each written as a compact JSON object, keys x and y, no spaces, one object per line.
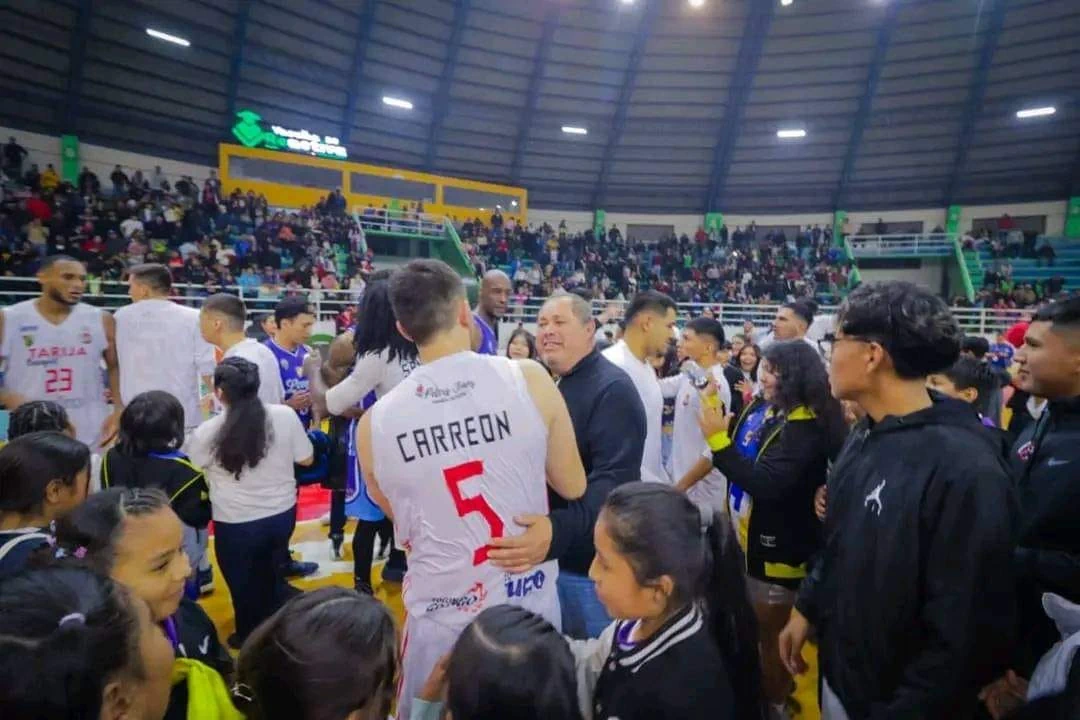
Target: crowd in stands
{"x":720,"y":266}
{"x":999,"y":290}
{"x":206,"y":237}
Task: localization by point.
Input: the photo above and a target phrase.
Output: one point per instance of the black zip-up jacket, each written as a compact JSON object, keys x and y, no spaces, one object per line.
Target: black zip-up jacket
{"x":912,"y":593}
{"x":173,"y":473}
{"x":1046,"y":464}
{"x":609,"y":425}
{"x":792,"y":463}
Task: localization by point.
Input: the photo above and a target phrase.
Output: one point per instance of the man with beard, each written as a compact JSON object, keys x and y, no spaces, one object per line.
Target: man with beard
{"x":52,"y":349}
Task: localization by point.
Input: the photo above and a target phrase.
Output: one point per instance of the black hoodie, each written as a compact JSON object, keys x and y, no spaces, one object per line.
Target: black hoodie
{"x":912,"y":594}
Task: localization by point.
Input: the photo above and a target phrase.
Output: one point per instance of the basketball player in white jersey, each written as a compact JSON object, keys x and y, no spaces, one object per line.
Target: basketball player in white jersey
{"x":160,"y":346}
{"x":53,"y":348}
{"x":221,"y":321}
{"x":691,"y":460}
{"x":453,"y":454}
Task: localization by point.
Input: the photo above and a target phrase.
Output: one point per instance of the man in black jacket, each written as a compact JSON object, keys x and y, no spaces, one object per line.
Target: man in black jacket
{"x":912,"y":596}
{"x":1046,"y":460}
{"x":609,"y":424}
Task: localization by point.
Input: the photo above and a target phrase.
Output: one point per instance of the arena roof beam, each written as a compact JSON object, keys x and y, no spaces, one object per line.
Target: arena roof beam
{"x":442,"y":95}
{"x":862,"y":115}
{"x":363,"y":33}
{"x":976,"y":95}
{"x":236,"y":61}
{"x":618,"y":124}
{"x":753,"y":41}
{"x":543,"y":50}
{"x":79,"y":35}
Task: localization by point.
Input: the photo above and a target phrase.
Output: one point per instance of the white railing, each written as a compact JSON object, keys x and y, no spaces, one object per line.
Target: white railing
{"x":328,"y":303}
{"x":426,"y":224}
{"x":905,"y":245}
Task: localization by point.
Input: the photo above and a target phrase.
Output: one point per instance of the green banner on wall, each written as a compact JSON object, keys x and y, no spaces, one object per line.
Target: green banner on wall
{"x":1072,"y":218}
{"x":713,"y":222}
{"x":69,"y":159}
{"x":838,"y":226}
{"x":952,"y":219}
{"x":599,"y":221}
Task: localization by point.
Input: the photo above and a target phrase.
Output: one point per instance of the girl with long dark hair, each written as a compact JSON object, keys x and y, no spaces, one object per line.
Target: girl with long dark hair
{"x":685,"y":641}
{"x":521,"y":346}
{"x":382,"y":358}
{"x":43,"y":476}
{"x":248,"y":453}
{"x":775,"y":455}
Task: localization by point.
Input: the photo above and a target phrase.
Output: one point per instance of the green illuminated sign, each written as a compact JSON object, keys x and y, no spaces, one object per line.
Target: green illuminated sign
{"x":252,"y":132}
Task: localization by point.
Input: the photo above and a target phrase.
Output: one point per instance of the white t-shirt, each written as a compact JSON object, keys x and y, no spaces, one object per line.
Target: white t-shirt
{"x":688,"y":444}
{"x":648,"y":387}
{"x":160,"y":348}
{"x":267,"y":489}
{"x":373,"y":371}
{"x":271,"y":391}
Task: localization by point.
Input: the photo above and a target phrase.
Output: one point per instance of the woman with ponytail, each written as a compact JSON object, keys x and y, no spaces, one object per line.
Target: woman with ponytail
{"x":247,"y":454}
{"x":685,"y":642}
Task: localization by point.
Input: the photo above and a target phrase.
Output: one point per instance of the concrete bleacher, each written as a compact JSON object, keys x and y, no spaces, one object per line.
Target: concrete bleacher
{"x":1032,"y":270}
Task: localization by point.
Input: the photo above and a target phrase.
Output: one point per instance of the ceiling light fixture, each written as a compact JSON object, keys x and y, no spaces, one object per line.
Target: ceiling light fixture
{"x":696,"y":3}
{"x":790,"y":134}
{"x":513,"y":203}
{"x":1036,"y":112}
{"x":174,"y":39}
{"x":785,"y":3}
{"x":627,"y":2}
{"x":396,"y":102}
{"x":574,"y":130}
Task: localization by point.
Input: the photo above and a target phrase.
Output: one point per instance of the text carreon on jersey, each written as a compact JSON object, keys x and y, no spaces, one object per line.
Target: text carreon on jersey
{"x":470,"y":431}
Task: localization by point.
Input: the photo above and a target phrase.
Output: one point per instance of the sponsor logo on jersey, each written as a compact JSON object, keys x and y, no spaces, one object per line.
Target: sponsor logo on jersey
{"x":438,"y":394}
{"x":520,"y":586}
{"x":28,"y":328}
{"x":48,"y":355}
{"x":85,"y":337}
{"x":28,"y":341}
{"x":284,"y":364}
{"x":471,"y":602}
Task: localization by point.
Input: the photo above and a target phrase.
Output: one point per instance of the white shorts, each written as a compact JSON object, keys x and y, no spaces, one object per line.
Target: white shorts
{"x":423,"y":644}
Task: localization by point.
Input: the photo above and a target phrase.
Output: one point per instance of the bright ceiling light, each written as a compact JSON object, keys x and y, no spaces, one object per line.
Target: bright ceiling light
{"x":1036,"y":112}
{"x":627,"y":2}
{"x":696,"y":3}
{"x":513,"y":203}
{"x":574,"y":130}
{"x":396,"y":102}
{"x":174,"y":39}
{"x":791,"y":133}
{"x":785,"y":3}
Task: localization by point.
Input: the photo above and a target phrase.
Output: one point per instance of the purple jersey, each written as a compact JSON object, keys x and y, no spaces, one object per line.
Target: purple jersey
{"x":291,"y":365}
{"x":489,"y":338}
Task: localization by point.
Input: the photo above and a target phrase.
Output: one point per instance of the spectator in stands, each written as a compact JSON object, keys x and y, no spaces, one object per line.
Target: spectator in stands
{"x":50,"y":179}
{"x":119,"y":181}
{"x":14,"y":153}
{"x":88,"y":182}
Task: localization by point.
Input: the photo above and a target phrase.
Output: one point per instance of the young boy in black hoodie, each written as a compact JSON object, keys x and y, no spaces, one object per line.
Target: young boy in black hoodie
{"x":912,"y":596}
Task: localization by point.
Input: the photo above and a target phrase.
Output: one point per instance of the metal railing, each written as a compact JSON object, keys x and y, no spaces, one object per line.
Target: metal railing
{"x":906,"y":245}
{"x":328,"y":303}
{"x":401,"y":221}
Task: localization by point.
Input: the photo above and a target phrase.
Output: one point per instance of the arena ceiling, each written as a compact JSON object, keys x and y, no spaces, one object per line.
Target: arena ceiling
{"x":905,"y":103}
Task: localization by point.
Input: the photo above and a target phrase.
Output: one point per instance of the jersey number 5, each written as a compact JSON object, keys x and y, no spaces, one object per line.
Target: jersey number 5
{"x":58,"y":380}
{"x":456,"y":475}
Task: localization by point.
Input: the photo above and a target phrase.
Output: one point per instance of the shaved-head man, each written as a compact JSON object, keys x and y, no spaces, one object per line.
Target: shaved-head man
{"x":494,"y":297}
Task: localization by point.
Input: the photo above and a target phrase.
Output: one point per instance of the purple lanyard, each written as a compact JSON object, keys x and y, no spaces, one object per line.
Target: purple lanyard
{"x":169,"y":626}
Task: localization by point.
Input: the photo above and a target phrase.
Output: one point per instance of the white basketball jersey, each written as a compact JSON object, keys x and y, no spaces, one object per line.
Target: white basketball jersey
{"x":460,"y":450}
{"x":61,"y":362}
